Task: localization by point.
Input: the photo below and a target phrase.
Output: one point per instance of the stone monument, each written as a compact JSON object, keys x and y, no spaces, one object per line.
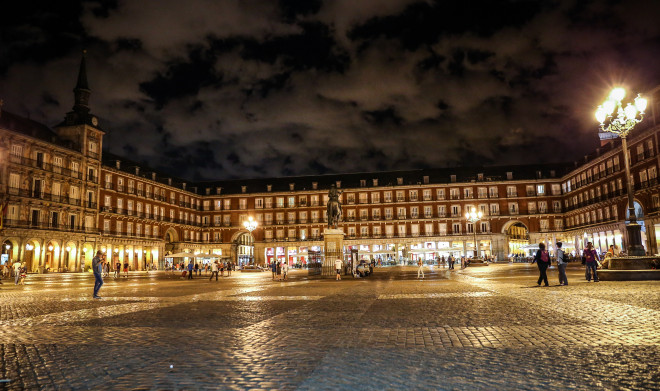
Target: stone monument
{"x":333,"y":238}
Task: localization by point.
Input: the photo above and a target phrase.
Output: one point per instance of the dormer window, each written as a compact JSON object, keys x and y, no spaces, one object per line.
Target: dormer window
{"x":399,"y":181}
{"x":292,"y":186}
{"x":315,"y":185}
{"x":375,"y":182}
{"x":426,"y":179}
{"x":509,"y":175}
{"x":338,"y":183}
{"x":363,"y":182}
{"x":269,"y":187}
{"x":243,"y":189}
{"x":452,"y":178}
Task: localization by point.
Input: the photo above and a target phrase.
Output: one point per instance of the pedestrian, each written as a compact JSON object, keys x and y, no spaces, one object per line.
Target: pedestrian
{"x":197,"y":269}
{"x":338,"y":267}
{"x":190,"y":270}
{"x":97,"y":268}
{"x":126,"y":268}
{"x":463,"y":262}
{"x":450,"y":261}
{"x":17,"y":271}
{"x":230,"y":265}
{"x":273,"y":267}
{"x":542,"y":260}
{"x":561,"y":264}
{"x":420,"y":268}
{"x":117,"y":267}
{"x":285,"y":270}
{"x":279,"y":270}
{"x":21,"y":281}
{"x":214,"y":270}
{"x":590,"y":258}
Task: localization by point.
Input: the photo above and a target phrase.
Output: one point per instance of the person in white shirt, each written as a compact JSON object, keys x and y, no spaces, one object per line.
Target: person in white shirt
{"x":214,"y":270}
{"x":420,"y":268}
{"x":338,"y":266}
{"x":17,"y":272}
{"x":285,"y":269}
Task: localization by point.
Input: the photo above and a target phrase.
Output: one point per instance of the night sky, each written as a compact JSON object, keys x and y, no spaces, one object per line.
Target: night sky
{"x":227,"y":89}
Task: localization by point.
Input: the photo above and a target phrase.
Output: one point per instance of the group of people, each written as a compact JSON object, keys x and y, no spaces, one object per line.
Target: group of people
{"x":279,"y":270}
{"x":17,"y":270}
{"x":214,"y":267}
{"x":590,"y":259}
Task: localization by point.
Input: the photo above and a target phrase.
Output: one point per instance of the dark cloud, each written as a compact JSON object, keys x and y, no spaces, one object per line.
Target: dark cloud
{"x":254,"y":88}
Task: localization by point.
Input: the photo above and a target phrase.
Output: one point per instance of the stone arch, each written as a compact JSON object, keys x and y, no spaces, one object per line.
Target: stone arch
{"x":69,"y":256}
{"x":32,"y":254}
{"x":509,"y":223}
{"x":171,"y":235}
{"x":242,"y":248}
{"x":11,"y":247}
{"x":52,"y":254}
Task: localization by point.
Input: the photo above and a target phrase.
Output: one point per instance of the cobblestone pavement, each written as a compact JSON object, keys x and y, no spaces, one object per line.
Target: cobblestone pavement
{"x":481,"y":328}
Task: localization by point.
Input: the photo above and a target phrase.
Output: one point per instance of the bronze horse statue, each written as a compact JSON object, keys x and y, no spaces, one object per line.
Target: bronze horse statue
{"x":334,"y":213}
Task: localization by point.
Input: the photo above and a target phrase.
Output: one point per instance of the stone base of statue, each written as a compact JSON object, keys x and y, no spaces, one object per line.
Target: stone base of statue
{"x":477,"y":262}
{"x":630,"y":268}
{"x":333,"y":240}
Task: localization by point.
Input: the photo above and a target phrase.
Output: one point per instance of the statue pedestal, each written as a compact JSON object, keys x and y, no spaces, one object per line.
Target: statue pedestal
{"x":333,"y":240}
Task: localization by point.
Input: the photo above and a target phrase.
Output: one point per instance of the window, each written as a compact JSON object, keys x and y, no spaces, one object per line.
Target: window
{"x":375,"y":197}
{"x":413,"y":195}
{"x":400,"y":196}
{"x":513,"y":208}
{"x":511,"y":191}
{"x":455,"y":210}
{"x":456,"y":228}
{"x":454,"y":194}
{"x":442,"y":228}
{"x":544,"y":225}
{"x":492,"y":192}
{"x":540,"y":189}
{"x":530,"y":190}
{"x":269,"y":202}
{"x":427,"y":195}
{"x":440,"y":194}
{"x":388,"y":196}
{"x":414,"y":212}
{"x":375,"y":213}
{"x":388,"y":213}
{"x":428,"y":212}
{"x":242,"y":203}
{"x":227,"y":204}
{"x":258,"y":203}
{"x":442,"y":210}
{"x":483,"y":192}
{"x":291,"y":201}
{"x":531,"y":207}
{"x":494,"y":209}
{"x":559,"y":224}
{"x":467,"y":192}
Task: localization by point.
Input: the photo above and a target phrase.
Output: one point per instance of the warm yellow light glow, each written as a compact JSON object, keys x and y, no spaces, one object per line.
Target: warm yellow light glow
{"x":601,"y":114}
{"x":84,"y":249}
{"x":618,"y":94}
{"x":50,"y":247}
{"x":68,"y":248}
{"x":631,"y":111}
{"x":7,"y":246}
{"x":609,"y":106}
{"x":640,"y":103}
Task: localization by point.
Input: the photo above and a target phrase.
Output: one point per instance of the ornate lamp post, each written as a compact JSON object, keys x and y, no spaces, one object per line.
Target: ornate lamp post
{"x":251,"y":224}
{"x":614,"y":118}
{"x":473,"y":216}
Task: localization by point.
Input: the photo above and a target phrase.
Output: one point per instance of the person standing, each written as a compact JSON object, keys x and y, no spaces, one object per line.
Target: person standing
{"x":450,"y":262}
{"x":561,"y":264}
{"x":338,"y":266}
{"x":279,"y":269}
{"x":117,"y":267}
{"x":590,"y":256}
{"x":230,"y":265}
{"x":214,"y":270}
{"x":126,"y":268}
{"x":17,"y":271}
{"x":285,"y":270}
{"x":273,"y":267}
{"x":542,"y":260}
{"x":97,"y":267}
{"x":420,"y":268}
{"x":190,"y":270}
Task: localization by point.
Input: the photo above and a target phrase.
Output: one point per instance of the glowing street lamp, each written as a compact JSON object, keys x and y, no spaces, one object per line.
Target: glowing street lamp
{"x":250,"y":224}
{"x":614,"y":118}
{"x":473,"y":216}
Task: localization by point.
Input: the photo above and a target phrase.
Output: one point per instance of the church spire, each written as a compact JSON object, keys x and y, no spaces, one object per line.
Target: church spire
{"x":82,"y":91}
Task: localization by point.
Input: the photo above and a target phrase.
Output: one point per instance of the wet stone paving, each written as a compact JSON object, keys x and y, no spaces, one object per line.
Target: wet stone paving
{"x":481,"y":328}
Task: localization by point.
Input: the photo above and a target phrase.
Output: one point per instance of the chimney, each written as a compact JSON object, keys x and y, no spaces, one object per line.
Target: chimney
{"x":118,"y":164}
{"x":153,"y":176}
{"x":137,"y":170}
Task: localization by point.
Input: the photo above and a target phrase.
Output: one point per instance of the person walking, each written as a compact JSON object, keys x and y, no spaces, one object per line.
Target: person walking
{"x":214,"y":270}
{"x":273,"y":267}
{"x":17,"y":271}
{"x":590,"y":257}
{"x":542,"y":260}
{"x":338,"y":266}
{"x":126,"y":268}
{"x":561,"y":264}
{"x":420,"y":268}
{"x":97,"y":267}
{"x":279,"y":270}
{"x":285,"y":270}
{"x":117,"y":267}
{"x":190,"y":270}
{"x":230,"y":265}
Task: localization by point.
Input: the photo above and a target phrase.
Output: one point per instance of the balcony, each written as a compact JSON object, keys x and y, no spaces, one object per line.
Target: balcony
{"x":48,"y":225}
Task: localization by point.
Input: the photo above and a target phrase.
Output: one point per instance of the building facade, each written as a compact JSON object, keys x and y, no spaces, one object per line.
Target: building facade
{"x":64,"y":200}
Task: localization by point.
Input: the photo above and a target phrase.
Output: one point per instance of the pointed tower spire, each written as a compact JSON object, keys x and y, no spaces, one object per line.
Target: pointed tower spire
{"x":82,"y":91}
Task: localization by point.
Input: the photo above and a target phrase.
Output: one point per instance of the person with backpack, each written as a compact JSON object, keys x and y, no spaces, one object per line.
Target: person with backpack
{"x":561,"y":264}
{"x":542,"y":260}
{"x":590,"y":257}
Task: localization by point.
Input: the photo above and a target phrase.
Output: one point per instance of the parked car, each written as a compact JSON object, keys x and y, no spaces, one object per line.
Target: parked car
{"x":363,"y":269}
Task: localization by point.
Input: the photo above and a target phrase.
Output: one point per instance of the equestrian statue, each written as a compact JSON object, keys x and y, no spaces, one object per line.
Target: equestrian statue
{"x":334,"y":207}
